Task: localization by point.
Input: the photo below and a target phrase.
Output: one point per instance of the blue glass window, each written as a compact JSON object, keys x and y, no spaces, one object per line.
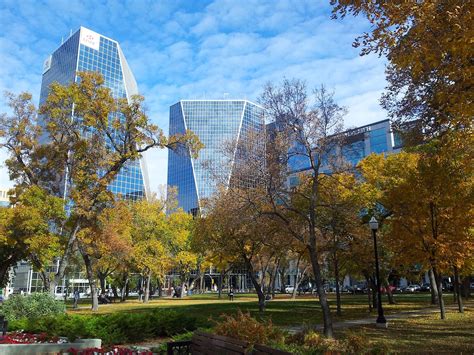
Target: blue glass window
{"x":378,"y":140}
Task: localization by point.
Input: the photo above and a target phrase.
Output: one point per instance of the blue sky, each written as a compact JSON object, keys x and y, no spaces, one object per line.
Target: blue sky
{"x":199,"y":49}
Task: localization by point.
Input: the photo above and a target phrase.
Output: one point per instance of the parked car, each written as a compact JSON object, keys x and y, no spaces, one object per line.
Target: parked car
{"x":359,"y":288}
{"x":412,"y":288}
{"x":426,"y":287}
{"x":289,"y":289}
{"x":471,"y":286}
{"x":347,"y":289}
{"x":304,"y":289}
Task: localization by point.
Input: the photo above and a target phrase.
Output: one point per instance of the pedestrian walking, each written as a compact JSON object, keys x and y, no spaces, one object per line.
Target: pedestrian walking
{"x":76,"y":298}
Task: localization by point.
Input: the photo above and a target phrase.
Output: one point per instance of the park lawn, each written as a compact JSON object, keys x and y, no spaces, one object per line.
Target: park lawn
{"x":282,"y":311}
{"x":424,"y":334}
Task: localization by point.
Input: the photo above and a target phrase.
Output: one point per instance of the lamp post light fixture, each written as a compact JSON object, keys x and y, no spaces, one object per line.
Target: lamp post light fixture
{"x":381,"y":321}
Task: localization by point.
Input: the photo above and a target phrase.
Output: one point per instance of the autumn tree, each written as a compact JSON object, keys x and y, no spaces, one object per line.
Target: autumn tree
{"x":306,"y":131}
{"x":339,"y":219}
{"x":232,"y":227}
{"x":429,"y":48}
{"x":429,"y":194}
{"x":105,"y":241}
{"x":180,"y":246}
{"x":29,"y":230}
{"x":78,"y":156}
{"x":150,"y":236}
{"x":208,"y":242}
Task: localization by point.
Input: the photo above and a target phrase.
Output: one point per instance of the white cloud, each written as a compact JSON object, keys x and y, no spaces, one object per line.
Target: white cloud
{"x":182,"y":49}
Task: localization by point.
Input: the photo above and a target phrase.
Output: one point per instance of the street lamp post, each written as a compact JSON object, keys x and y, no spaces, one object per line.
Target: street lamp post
{"x":381,"y":321}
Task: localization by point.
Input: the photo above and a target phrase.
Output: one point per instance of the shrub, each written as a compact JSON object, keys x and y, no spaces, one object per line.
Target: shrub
{"x":355,"y":343}
{"x":31,"y":306}
{"x":244,"y":327}
{"x":115,"y":328}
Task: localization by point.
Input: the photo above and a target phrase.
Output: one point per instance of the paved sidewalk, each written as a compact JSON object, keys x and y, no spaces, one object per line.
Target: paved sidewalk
{"x":371,"y":320}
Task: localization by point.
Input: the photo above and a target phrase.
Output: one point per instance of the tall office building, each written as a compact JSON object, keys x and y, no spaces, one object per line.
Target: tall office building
{"x":215,"y":122}
{"x":86,"y":50}
{"x":358,"y":143}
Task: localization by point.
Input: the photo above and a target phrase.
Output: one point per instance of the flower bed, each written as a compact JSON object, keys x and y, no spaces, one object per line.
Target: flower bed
{"x":24,"y":343}
{"x":28,"y":338}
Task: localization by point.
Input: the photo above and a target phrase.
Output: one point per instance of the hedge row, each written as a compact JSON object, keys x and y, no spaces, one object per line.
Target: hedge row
{"x":115,"y":328}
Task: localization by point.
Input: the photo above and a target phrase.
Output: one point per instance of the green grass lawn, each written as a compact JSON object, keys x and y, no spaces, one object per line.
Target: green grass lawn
{"x":283,"y":311}
{"x":425,"y":333}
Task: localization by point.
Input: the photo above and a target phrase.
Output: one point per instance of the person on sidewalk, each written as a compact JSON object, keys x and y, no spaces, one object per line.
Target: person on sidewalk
{"x":76,"y":298}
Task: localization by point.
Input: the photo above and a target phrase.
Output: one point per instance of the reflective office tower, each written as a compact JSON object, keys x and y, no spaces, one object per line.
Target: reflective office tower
{"x":358,"y":143}
{"x":215,"y":122}
{"x":86,"y":50}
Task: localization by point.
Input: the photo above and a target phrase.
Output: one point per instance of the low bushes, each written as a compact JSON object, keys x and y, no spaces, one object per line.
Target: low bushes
{"x":115,"y":328}
{"x":31,"y":306}
{"x":242,"y":326}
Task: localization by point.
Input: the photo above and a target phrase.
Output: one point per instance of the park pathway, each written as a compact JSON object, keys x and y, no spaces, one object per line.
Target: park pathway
{"x":370,"y":320}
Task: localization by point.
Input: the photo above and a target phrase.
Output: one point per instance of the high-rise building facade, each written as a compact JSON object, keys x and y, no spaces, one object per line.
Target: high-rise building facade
{"x":358,"y":143}
{"x":215,"y":122}
{"x":86,"y":50}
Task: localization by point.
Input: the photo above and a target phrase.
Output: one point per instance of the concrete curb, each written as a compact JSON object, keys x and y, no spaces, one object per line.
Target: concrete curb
{"x":48,"y":348}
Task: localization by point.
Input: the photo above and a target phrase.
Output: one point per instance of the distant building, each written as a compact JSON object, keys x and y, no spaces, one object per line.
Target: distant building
{"x":358,"y":143}
{"x":4,"y":198}
{"x":215,"y":122}
{"x":86,"y":50}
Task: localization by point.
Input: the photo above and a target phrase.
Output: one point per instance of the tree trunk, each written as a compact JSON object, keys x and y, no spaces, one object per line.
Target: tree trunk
{"x":183,"y":285}
{"x":5,"y":266}
{"x":201,"y":283}
{"x":466,"y":287}
{"x":114,"y":290}
{"x":256,"y":285}
{"x":282,"y":280}
{"x":373,"y":290}
{"x":219,"y":286}
{"x":275,"y":275}
{"x":102,"y":276}
{"x":45,"y":280}
{"x":92,"y":284}
{"x":123,"y":293}
{"x":295,"y":290}
{"x":433,"y":287}
{"x":159,"y":286}
{"x":369,"y":293}
{"x":439,"y":285}
{"x":458,"y":291}
{"x":328,"y":330}
{"x":146,"y":296}
{"x":63,"y":261}
{"x":338,"y":291}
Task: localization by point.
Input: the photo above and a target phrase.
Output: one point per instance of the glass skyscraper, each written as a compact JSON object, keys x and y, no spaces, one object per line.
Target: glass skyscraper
{"x":215,"y":122}
{"x":86,"y":50}
{"x":358,"y":143}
